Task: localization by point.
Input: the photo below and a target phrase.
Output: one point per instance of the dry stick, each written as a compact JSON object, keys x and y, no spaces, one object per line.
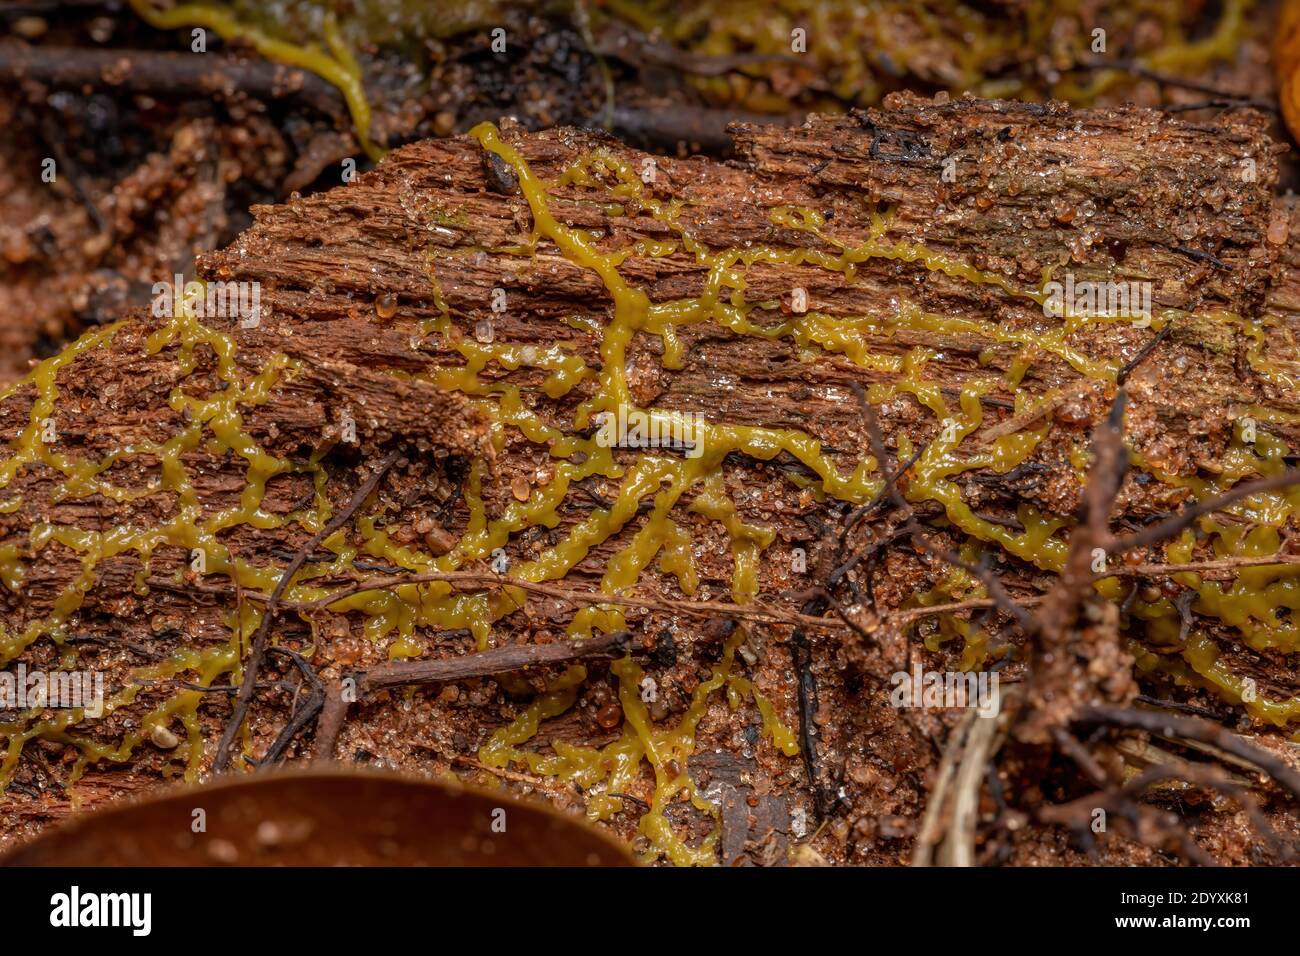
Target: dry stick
{"x":998,"y":595}
{"x":1213,"y":779}
{"x":1202,"y":567}
{"x":1053,"y":667}
{"x":1014,"y":423}
{"x":175,"y":74}
{"x":853,"y":625}
{"x":932,"y":821}
{"x":1129,"y":366}
{"x":500,"y":660}
{"x":1176,"y":523}
{"x":704,"y":126}
{"x":1148,"y":824}
{"x":1217,"y":565}
{"x":109,"y":640}
{"x":877,"y":440}
{"x":861,"y":512}
{"x":639,"y":49}
{"x":480,"y":579}
{"x":990,"y":581}
{"x":1082,"y":757}
{"x":1208,"y":105}
{"x":513,"y":775}
{"x":806,"y":687}
{"x":1110,"y":465}
{"x":1194,"y":728}
{"x":1111,"y":458}
{"x":904,"y":618}
{"x":982,"y":740}
{"x":330,"y":724}
{"x":1137,"y":69}
{"x":258,"y":650}
{"x":303,"y":715}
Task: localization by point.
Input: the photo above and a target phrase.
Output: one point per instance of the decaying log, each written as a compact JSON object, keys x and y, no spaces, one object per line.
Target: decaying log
{"x":350,"y":279}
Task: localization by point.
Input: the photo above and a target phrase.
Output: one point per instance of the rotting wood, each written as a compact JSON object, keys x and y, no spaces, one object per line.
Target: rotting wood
{"x":1112,"y":193}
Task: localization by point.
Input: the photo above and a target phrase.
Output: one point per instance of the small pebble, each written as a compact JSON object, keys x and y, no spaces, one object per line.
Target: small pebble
{"x":609,"y":715}
{"x":439,"y":541}
{"x":163,"y":738}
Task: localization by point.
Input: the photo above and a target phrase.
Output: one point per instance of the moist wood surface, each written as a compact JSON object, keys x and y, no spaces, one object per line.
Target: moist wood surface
{"x":1122,"y":194}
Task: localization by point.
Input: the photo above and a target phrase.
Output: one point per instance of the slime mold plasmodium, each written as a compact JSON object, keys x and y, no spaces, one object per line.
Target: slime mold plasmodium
{"x":657,"y":492}
{"x":336,"y":63}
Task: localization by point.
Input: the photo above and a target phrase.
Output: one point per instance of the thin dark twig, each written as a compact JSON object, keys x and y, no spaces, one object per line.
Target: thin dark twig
{"x":108,"y":640}
{"x":1216,"y":104}
{"x":258,"y":650}
{"x":1203,"y":256}
{"x":1137,"y":69}
{"x":997,"y":593}
{"x":1182,"y":706}
{"x":877,"y":440}
{"x":1176,"y":523}
{"x":499,"y":660}
{"x":1142,"y":354}
{"x":857,"y":628}
{"x":175,"y":74}
{"x":801,"y":657}
{"x":214,"y":688}
{"x":1193,"y":728}
{"x":303,"y":715}
{"x":878,"y":499}
{"x":990,"y":581}
{"x":1076,"y":751}
{"x":330,"y":724}
{"x":1207,"y":777}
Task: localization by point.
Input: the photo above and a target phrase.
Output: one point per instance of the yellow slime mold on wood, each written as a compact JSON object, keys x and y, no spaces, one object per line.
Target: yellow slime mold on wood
{"x":669,"y":483}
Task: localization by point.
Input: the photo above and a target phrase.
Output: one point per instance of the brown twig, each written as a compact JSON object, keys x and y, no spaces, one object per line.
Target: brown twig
{"x":499,"y":660}
{"x":330,"y":724}
{"x":1215,"y":780}
{"x":1176,"y":523}
{"x":1070,"y":745}
{"x":1150,"y":826}
{"x":174,"y":74}
{"x":1137,"y":69}
{"x":1002,"y":600}
{"x":1143,"y":353}
{"x":486,"y":580}
{"x":109,"y":640}
{"x":258,"y":649}
{"x":303,"y":715}
{"x":1193,"y":728}
{"x":824,"y":802}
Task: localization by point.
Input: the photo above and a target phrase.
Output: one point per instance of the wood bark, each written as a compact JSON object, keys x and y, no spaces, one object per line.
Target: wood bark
{"x":1120,"y":194}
